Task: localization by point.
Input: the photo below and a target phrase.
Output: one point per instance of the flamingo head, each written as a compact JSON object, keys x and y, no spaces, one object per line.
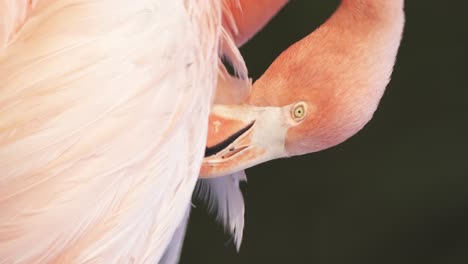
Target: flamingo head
{"x":293,"y":109}
{"x":316,"y":94}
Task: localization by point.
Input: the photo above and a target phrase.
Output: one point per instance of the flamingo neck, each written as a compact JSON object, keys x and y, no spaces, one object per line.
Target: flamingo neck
{"x":372,"y":10}
{"x":360,"y":32}
{"x":381,"y":5}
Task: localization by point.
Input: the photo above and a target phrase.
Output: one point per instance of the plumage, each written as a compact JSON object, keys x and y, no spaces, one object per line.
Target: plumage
{"x":223,"y":197}
{"x":95,"y":98}
{"x":174,"y":249}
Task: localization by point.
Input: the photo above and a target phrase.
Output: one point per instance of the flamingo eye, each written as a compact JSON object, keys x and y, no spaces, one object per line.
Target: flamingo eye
{"x":298,"y":111}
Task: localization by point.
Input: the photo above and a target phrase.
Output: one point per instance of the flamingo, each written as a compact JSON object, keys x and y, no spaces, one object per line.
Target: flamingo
{"x":111,"y":110}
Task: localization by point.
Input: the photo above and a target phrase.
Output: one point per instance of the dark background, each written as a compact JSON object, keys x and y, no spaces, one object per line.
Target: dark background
{"x":397,"y":192}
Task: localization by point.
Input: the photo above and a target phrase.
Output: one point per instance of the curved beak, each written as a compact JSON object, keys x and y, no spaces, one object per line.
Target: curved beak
{"x":241,"y":136}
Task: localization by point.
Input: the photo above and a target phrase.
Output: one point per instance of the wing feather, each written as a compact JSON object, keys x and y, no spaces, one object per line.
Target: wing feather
{"x":103,"y":115}
{"x":173,"y":251}
{"x":223,"y":197}
{"x":13,"y":14}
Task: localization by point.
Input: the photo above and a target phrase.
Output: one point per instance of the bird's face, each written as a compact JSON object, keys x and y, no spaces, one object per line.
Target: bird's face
{"x":241,"y":136}
{"x":283,"y":117}
{"x":293,"y":109}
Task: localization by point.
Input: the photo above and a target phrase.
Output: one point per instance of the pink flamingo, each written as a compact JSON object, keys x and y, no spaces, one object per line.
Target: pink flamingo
{"x":105,"y":109}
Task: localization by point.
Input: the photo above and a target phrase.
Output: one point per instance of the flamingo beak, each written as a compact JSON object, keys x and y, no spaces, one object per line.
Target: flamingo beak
{"x":241,"y":136}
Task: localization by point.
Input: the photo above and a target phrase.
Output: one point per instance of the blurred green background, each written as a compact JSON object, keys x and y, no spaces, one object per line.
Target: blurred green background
{"x":397,"y":192}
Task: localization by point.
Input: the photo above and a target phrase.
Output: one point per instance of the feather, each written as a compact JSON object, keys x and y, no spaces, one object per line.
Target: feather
{"x":173,"y":251}
{"x":103,"y":113}
{"x":223,"y":197}
{"x":103,"y":118}
{"x":13,"y":15}
{"x":231,"y":90}
{"x":230,"y":51}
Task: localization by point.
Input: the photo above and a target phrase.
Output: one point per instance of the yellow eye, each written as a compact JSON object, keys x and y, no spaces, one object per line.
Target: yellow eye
{"x":299,"y":112}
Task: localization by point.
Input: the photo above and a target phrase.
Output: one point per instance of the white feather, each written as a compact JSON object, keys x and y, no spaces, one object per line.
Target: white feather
{"x":103,"y":115}
{"x":223,"y":197}
{"x":173,"y":251}
{"x":13,"y":14}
